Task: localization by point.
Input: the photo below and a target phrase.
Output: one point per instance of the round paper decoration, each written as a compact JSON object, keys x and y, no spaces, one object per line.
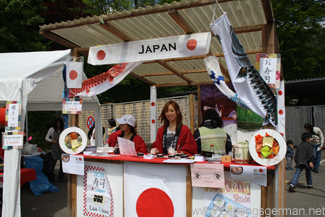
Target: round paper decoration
{"x":73,"y":137}
{"x":276,"y":159}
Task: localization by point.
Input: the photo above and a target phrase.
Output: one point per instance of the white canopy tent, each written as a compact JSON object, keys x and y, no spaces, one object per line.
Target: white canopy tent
{"x":35,"y":79}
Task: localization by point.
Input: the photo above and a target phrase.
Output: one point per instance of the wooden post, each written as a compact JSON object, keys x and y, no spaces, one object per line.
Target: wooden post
{"x":192,"y":113}
{"x":199,"y":115}
{"x":188,"y":192}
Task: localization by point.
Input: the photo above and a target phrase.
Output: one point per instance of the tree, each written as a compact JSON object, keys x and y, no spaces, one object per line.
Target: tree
{"x":299,"y":33}
{"x":19,"y":25}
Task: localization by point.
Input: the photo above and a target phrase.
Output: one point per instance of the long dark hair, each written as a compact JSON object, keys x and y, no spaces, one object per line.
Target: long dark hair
{"x":310,"y":128}
{"x":60,"y":120}
{"x":179,"y":117}
{"x":212,"y":115}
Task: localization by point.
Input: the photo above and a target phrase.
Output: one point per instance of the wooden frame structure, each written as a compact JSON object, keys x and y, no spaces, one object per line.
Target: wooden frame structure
{"x":253,"y":22}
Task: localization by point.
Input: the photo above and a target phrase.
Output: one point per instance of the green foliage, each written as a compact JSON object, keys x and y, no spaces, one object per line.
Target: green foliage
{"x":38,"y":125}
{"x":19,"y":25}
{"x":300,"y":37}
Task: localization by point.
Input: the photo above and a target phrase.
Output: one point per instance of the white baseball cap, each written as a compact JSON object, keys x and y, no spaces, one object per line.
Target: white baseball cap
{"x":127,"y":119}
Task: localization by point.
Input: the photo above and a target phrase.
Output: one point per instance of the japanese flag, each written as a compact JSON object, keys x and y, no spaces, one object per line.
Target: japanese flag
{"x":154,"y":190}
{"x":74,"y":74}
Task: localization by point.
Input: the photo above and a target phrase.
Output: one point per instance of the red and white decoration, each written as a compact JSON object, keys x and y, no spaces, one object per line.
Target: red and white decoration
{"x":97,"y":197}
{"x":151,"y":49}
{"x":153,"y":113}
{"x":281,"y":110}
{"x":154,"y":190}
{"x":74,"y":74}
{"x":100,"y":83}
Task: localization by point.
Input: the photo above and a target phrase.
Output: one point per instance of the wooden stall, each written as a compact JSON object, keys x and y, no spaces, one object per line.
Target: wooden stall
{"x":252,"y":21}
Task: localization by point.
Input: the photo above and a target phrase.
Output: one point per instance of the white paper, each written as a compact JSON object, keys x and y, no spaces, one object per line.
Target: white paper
{"x":127,"y":147}
{"x":13,"y":140}
{"x":181,"y":161}
{"x":72,"y":106}
{"x":13,"y":114}
{"x":268,"y":70}
{"x":73,"y":164}
{"x":254,"y":174}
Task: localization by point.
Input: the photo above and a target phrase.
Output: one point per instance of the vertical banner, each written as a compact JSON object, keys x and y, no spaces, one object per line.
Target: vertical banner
{"x":74,"y":74}
{"x":281,"y":111}
{"x":233,"y":200}
{"x":13,"y":112}
{"x":269,"y":66}
{"x":153,"y":113}
{"x":98,"y":197}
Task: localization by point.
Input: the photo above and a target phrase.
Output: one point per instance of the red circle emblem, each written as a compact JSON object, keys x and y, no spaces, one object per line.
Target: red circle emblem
{"x":191,"y":44}
{"x":159,"y":202}
{"x":73,"y":74}
{"x":153,"y":104}
{"x":280,"y":92}
{"x":260,"y":170}
{"x":101,"y":55}
{"x":280,"y":112}
{"x":153,"y":121}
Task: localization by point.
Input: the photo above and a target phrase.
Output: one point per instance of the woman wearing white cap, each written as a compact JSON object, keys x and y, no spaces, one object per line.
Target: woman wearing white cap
{"x":127,"y":131}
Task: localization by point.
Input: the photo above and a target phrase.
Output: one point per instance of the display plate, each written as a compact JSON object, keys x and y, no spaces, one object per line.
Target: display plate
{"x":282,"y":148}
{"x":71,"y":130}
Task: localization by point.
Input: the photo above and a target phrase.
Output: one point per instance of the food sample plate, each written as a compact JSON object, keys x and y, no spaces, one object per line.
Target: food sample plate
{"x":266,"y":161}
{"x":77,"y":144}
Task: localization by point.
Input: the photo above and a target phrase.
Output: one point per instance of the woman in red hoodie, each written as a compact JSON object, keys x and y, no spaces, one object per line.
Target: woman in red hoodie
{"x":173,"y":135}
{"x":127,"y":131}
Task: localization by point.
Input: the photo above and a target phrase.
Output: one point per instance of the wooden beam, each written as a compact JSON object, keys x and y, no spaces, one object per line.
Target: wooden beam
{"x":270,"y":42}
{"x":136,"y":13}
{"x":115,"y":31}
{"x":141,"y":78}
{"x":267,"y":8}
{"x":197,"y":57}
{"x":180,"y":21}
{"x":240,"y":30}
{"x":58,"y":39}
{"x":183,"y":84}
{"x":170,"y":73}
{"x":162,"y":63}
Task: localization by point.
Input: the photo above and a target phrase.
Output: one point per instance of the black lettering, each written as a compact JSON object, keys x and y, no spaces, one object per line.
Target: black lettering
{"x":148,"y":49}
{"x":163,"y":47}
{"x":171,"y":46}
{"x":155,"y":47}
{"x":142,"y":50}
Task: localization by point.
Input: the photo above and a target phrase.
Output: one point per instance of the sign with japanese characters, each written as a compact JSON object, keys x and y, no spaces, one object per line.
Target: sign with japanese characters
{"x":72,"y":106}
{"x":208,"y":175}
{"x":13,"y":112}
{"x":269,"y":66}
{"x":98,"y":198}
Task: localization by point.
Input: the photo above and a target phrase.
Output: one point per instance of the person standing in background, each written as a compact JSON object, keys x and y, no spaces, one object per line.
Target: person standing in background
{"x":317,"y":141}
{"x":111,"y":128}
{"x":53,"y":136}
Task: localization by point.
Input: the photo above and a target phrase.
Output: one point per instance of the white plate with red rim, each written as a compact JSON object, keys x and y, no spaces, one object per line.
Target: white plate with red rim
{"x":67,"y":132}
{"x":282,"y":148}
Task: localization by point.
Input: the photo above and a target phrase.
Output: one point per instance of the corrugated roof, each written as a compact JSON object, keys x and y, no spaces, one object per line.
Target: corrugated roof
{"x":178,"y":18}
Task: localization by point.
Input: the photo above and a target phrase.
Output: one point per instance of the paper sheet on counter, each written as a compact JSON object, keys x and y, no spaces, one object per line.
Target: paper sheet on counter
{"x":127,"y":147}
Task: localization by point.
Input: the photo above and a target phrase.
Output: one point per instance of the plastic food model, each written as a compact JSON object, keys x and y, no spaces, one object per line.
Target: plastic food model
{"x":267,"y":147}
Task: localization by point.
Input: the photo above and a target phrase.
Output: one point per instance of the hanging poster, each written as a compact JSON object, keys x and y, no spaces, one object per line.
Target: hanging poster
{"x":207,"y":175}
{"x":97,"y":197}
{"x":233,"y":200}
{"x":73,"y":164}
{"x":13,"y":112}
{"x":12,"y":140}
{"x":256,"y":174}
{"x":71,"y":106}
{"x":213,"y":98}
{"x":269,"y":66}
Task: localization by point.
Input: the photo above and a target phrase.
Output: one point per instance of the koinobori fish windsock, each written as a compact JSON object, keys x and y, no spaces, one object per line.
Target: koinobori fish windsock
{"x":213,"y":69}
{"x":249,"y":85}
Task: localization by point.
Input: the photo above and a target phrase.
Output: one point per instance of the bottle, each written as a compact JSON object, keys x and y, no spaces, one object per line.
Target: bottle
{"x":212,"y":148}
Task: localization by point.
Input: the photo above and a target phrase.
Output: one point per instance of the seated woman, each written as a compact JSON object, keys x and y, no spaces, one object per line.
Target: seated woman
{"x":127,"y":131}
{"x":173,"y":134}
{"x":211,"y":132}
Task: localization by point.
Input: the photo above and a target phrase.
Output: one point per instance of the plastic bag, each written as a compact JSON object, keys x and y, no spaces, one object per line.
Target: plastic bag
{"x":41,"y":185}
{"x":29,"y":149}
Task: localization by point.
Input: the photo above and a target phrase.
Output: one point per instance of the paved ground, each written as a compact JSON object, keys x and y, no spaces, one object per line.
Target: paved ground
{"x":301,"y":203}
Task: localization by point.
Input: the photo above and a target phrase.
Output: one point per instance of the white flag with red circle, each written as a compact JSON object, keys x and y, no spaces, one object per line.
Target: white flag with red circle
{"x":74,"y":74}
{"x":154,"y":190}
{"x":151,"y":49}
